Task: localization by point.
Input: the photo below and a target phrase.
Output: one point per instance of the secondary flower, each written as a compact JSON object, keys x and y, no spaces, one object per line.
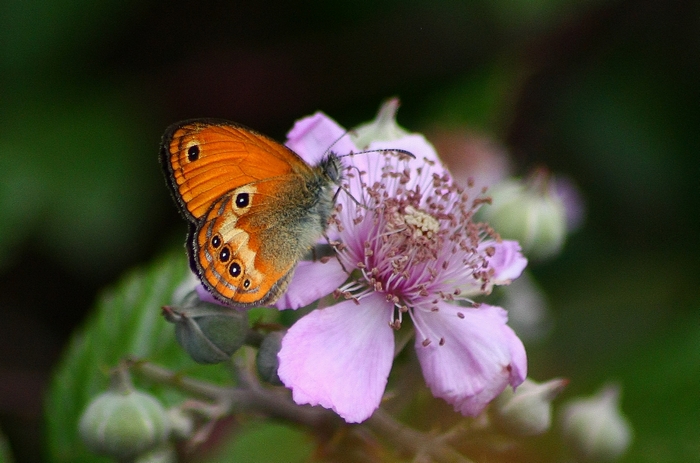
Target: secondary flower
{"x":403,"y":231}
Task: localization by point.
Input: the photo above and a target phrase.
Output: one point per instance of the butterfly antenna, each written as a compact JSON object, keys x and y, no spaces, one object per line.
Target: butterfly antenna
{"x":378,"y":150}
{"x":335,"y":142}
{"x":396,"y":151}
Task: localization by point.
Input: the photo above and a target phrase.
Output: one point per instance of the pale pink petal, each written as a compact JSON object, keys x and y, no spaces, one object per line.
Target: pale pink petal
{"x":414,"y":143}
{"x":479,"y":357}
{"x":340,"y":357}
{"x":518,"y":371}
{"x":508,"y":261}
{"x":316,"y":135}
{"x":311,"y":282}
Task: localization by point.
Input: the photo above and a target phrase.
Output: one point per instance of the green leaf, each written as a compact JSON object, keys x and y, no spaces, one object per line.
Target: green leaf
{"x":127,"y":322}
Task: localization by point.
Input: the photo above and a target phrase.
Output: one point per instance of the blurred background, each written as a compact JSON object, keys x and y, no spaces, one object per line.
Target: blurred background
{"x":604,"y":92}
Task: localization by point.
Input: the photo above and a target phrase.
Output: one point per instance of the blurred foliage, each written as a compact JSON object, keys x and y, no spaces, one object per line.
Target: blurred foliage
{"x":252,"y":445}
{"x":605,"y":92}
{"x":5,"y":456}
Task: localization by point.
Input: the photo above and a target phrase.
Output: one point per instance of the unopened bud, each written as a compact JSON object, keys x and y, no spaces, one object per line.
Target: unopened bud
{"x":530,"y":212}
{"x":124,"y":423}
{"x":595,"y":428}
{"x":382,"y":128}
{"x":267,"y":361}
{"x":527,"y":411}
{"x":209,"y":333}
{"x":162,"y":454}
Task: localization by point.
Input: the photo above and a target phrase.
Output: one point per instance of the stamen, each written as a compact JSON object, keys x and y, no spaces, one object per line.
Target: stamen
{"x":416,"y":222}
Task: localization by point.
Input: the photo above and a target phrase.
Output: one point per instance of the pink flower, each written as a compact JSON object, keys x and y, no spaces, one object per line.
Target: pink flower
{"x":404,"y":233}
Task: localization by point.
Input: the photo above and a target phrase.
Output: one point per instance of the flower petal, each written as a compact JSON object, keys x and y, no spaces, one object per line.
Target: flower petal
{"x":508,"y":261}
{"x":415,"y":144}
{"x":340,"y":357}
{"x":311,"y":281}
{"x":479,"y":357}
{"x":518,"y":362}
{"x":314,"y":136}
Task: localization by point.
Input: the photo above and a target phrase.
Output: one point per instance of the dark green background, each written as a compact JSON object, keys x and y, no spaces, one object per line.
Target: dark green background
{"x":606,"y":92}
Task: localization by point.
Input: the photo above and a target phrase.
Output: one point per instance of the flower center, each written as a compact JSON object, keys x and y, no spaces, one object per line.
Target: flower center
{"x":410,"y":235}
{"x":421,"y":222}
{"x":413,"y":239}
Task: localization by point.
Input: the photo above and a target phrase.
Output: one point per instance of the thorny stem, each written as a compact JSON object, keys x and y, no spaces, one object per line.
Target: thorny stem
{"x":253,"y":397}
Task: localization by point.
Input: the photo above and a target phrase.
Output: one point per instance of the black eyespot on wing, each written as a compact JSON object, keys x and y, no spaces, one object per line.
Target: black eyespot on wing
{"x":246,"y":284}
{"x":215,"y":241}
{"x":234,"y":269}
{"x":242,"y":200}
{"x":225,"y":254}
{"x":193,"y":153}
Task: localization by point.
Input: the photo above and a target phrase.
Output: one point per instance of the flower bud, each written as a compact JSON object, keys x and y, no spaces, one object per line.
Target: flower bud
{"x":382,"y":128}
{"x":210,"y":333}
{"x":527,"y":411}
{"x":162,"y":454}
{"x":530,"y":212}
{"x":267,"y":361}
{"x":595,"y":428}
{"x":123,"y":424}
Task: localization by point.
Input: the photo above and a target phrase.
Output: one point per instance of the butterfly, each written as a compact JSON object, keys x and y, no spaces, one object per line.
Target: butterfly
{"x":254,"y":206}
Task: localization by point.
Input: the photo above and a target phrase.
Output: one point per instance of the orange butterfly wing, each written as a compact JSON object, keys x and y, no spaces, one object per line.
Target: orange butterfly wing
{"x":242,"y":252}
{"x":205,"y":157}
{"x":252,"y":203}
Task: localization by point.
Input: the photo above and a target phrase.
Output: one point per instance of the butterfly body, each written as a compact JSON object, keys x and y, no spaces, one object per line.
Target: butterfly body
{"x":254,"y":206}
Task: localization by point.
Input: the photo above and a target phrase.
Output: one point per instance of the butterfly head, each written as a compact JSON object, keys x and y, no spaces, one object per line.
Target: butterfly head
{"x":332,"y":167}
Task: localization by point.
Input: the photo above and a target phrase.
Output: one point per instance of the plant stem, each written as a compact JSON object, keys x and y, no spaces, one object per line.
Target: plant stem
{"x":274,"y":403}
{"x":405,"y":437}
